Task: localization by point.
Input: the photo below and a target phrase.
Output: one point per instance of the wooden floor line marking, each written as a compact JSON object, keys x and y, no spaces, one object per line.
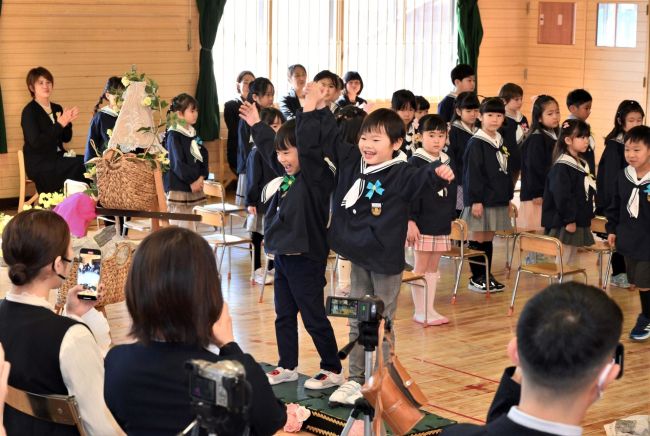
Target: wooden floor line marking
{"x":454,"y":369}
{"x":456,"y":413}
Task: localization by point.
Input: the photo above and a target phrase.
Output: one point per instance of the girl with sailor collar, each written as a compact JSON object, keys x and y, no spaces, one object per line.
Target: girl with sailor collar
{"x":488,"y":190}
{"x":568,"y":204}
{"x":463,"y":127}
{"x":103,"y":121}
{"x":536,"y":160}
{"x":188,"y":161}
{"x":430,"y":219}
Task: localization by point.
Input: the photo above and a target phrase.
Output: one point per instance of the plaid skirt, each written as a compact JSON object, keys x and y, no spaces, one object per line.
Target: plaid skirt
{"x":184,"y":202}
{"x":582,"y":237}
{"x":240,"y":194}
{"x":432,"y":243}
{"x":492,"y":220}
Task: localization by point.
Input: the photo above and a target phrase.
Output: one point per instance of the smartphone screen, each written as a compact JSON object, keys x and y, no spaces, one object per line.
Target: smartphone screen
{"x":88,"y":273}
{"x":344,"y":307}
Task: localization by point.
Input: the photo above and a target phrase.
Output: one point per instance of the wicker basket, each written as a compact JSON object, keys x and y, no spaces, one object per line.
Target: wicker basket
{"x":126,"y":182}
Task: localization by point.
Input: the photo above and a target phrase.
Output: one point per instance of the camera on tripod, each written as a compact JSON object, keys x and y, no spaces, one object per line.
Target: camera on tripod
{"x":365,"y":309}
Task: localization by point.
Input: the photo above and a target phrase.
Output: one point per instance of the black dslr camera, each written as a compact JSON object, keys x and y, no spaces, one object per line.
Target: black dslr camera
{"x":220,"y":394}
{"x":365,"y":309}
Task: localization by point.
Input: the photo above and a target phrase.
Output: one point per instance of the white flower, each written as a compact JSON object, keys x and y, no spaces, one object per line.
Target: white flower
{"x":109,"y":132}
{"x":125,"y":81}
{"x":146,"y":101}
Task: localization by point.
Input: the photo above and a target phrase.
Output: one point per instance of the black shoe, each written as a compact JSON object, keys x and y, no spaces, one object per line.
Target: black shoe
{"x":641,"y":330}
{"x":477,"y":284}
{"x":496,"y":286}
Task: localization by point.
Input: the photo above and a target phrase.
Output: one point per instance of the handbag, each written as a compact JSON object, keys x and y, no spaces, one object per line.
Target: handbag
{"x":393,"y":393}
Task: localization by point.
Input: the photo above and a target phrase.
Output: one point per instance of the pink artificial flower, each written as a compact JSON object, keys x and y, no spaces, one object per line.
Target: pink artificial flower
{"x":296,"y":415}
{"x":357,"y":428}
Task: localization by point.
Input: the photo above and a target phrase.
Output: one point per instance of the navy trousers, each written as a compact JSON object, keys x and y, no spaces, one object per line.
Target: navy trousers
{"x":299,"y":284}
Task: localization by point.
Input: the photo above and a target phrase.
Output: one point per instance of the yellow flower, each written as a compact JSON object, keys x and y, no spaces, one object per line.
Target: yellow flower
{"x":146,"y":101}
{"x":109,"y":132}
{"x":125,"y":81}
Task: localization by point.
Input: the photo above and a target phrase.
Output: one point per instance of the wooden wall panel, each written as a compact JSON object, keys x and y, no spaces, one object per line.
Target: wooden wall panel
{"x":83,"y":42}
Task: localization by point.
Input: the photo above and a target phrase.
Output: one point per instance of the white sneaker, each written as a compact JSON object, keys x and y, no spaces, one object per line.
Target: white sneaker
{"x":325,"y":379}
{"x":281,"y":375}
{"x":347,"y":394}
{"x":257,"y":276}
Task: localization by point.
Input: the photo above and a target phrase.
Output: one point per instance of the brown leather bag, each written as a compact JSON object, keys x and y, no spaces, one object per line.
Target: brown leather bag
{"x":393,"y":393}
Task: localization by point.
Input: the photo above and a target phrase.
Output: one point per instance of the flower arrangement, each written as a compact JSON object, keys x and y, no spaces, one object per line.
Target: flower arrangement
{"x":46,"y":200}
{"x":296,"y":415}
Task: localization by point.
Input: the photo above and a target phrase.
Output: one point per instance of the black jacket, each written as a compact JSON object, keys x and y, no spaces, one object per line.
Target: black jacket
{"x":632,"y":234}
{"x":295,"y":221}
{"x":565,"y":201}
{"x":536,"y":160}
{"x":611,"y":163}
{"x":184,"y":169}
{"x":433,"y":212}
{"x":484,"y":181}
{"x":99,"y":126}
{"x":231,"y":117}
{"x":458,"y":139}
{"x":289,"y":104}
{"x":509,"y":133}
{"x":345,"y":101}
{"x":446,"y":107}
{"x":258,"y":174}
{"x":244,"y":146}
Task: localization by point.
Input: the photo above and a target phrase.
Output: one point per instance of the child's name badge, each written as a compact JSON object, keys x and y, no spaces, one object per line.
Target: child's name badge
{"x":375,"y":209}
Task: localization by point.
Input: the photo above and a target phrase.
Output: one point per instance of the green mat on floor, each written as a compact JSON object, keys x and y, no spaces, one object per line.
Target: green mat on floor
{"x":329,"y":421}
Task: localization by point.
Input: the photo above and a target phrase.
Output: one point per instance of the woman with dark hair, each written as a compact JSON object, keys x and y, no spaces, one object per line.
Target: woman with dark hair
{"x":173,"y":294}
{"x":231,"y":116}
{"x":50,"y":354}
{"x":353,"y":85}
{"x":292,"y":101}
{"x":46,"y":126}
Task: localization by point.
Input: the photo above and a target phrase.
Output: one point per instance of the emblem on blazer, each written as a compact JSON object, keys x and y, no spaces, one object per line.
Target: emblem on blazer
{"x":375,"y":209}
{"x":372,"y":188}
{"x":647,"y":191}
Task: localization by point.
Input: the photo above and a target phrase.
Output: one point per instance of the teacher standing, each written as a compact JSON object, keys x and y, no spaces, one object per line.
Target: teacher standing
{"x":46,"y":127}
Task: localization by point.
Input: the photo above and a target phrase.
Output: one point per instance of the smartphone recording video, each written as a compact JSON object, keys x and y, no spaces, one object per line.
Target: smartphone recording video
{"x":88,"y":273}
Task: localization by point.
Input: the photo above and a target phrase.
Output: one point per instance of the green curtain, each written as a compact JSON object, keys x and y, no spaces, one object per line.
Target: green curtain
{"x":3,"y":128}
{"x":210,"y":12}
{"x":470,"y":32}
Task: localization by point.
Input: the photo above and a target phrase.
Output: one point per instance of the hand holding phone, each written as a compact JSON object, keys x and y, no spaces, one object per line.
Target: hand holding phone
{"x":89,"y":272}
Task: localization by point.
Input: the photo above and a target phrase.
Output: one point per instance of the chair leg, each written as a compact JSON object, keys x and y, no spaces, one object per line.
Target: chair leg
{"x":600,"y":270}
{"x":512,"y":255}
{"x":487,"y":276}
{"x":426,"y":302}
{"x":266,"y":270}
{"x":608,"y":270}
{"x":514,"y":293}
{"x":459,"y":269}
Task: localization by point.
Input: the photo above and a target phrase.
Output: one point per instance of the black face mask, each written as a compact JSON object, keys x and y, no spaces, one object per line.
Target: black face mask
{"x":65,"y":259}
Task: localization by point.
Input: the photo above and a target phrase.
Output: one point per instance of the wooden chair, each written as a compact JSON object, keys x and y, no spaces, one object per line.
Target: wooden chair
{"x":220,"y":238}
{"x":601,"y":248}
{"x":217,"y":190}
{"x":549,"y":246}
{"x":59,"y":409}
{"x":509,"y":235}
{"x":269,"y":256}
{"x":462,"y":253}
{"x":25,"y":184}
{"x":415,"y":279}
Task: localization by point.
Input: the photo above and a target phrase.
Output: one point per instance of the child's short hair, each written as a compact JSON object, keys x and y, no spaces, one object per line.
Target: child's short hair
{"x":286,"y":136}
{"x":402,"y":99}
{"x":268,"y":115}
{"x":578,"y":97}
{"x":624,"y":108}
{"x":353,"y":75}
{"x":571,"y":128}
{"x":181,"y":102}
{"x":492,"y":104}
{"x":465,"y":100}
{"x":34,"y":74}
{"x":461,"y":71}
{"x":327,"y":74}
{"x":421,"y":103}
{"x":258,"y":87}
{"x":349,"y":119}
{"x":292,"y":69}
{"x":432,"y":123}
{"x":339,"y":83}
{"x":384,"y":121}
{"x":638,"y":134}
{"x":510,"y":91}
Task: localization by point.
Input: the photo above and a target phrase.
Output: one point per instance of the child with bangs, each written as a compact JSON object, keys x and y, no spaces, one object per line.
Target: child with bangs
{"x":404,"y":103}
{"x":463,"y":127}
{"x":568,"y":205}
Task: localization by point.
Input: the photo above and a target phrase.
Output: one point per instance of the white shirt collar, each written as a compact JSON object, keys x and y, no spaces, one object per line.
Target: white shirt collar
{"x":518,"y":116}
{"x":25,"y":298}
{"x":534,"y":423}
{"x":187,"y":131}
{"x":495,"y":142}
{"x":108,"y":111}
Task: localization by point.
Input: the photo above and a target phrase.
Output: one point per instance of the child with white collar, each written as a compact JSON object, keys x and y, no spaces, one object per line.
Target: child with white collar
{"x":188,"y":161}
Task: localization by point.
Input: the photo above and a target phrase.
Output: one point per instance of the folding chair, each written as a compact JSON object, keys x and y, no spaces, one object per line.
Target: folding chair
{"x":462,"y":253}
{"x":269,"y":256}
{"x":216,"y":189}
{"x":415,"y":279}
{"x":25,"y":184}
{"x":549,"y":246}
{"x":508,"y":235}
{"x":220,"y":238}
{"x":58,"y":409}
{"x":601,"y":248}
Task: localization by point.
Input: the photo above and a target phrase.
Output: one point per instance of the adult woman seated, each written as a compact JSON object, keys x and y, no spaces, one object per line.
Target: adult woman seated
{"x":50,"y":354}
{"x":174,"y":297}
{"x":46,"y":126}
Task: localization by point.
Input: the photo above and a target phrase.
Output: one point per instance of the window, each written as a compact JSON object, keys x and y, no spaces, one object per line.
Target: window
{"x":392,"y":44}
{"x":616,"y":26}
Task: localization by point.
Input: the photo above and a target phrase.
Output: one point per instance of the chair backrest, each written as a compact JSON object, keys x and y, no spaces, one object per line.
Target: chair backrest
{"x":21,"y":167}
{"x":598,"y":224}
{"x":59,"y":409}
{"x":214,"y":189}
{"x":210,"y":217}
{"x":74,"y":187}
{"x":458,"y":230}
{"x":546,"y":245}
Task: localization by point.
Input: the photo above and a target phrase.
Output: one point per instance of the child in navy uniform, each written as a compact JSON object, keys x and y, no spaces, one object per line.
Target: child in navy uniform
{"x":101,"y":126}
{"x":188,"y":161}
{"x":628,"y":115}
{"x":579,"y":103}
{"x":568,"y":204}
{"x":430,"y":219}
{"x":463,"y":127}
{"x":628,"y":221}
{"x":515,"y":128}
{"x":295,"y":233}
{"x":536,"y":160}
{"x":370,"y":217}
{"x":488,"y":190}
{"x":463,"y":78}
{"x":403,"y":102}
{"x":258,"y":174}
{"x":422,"y":107}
